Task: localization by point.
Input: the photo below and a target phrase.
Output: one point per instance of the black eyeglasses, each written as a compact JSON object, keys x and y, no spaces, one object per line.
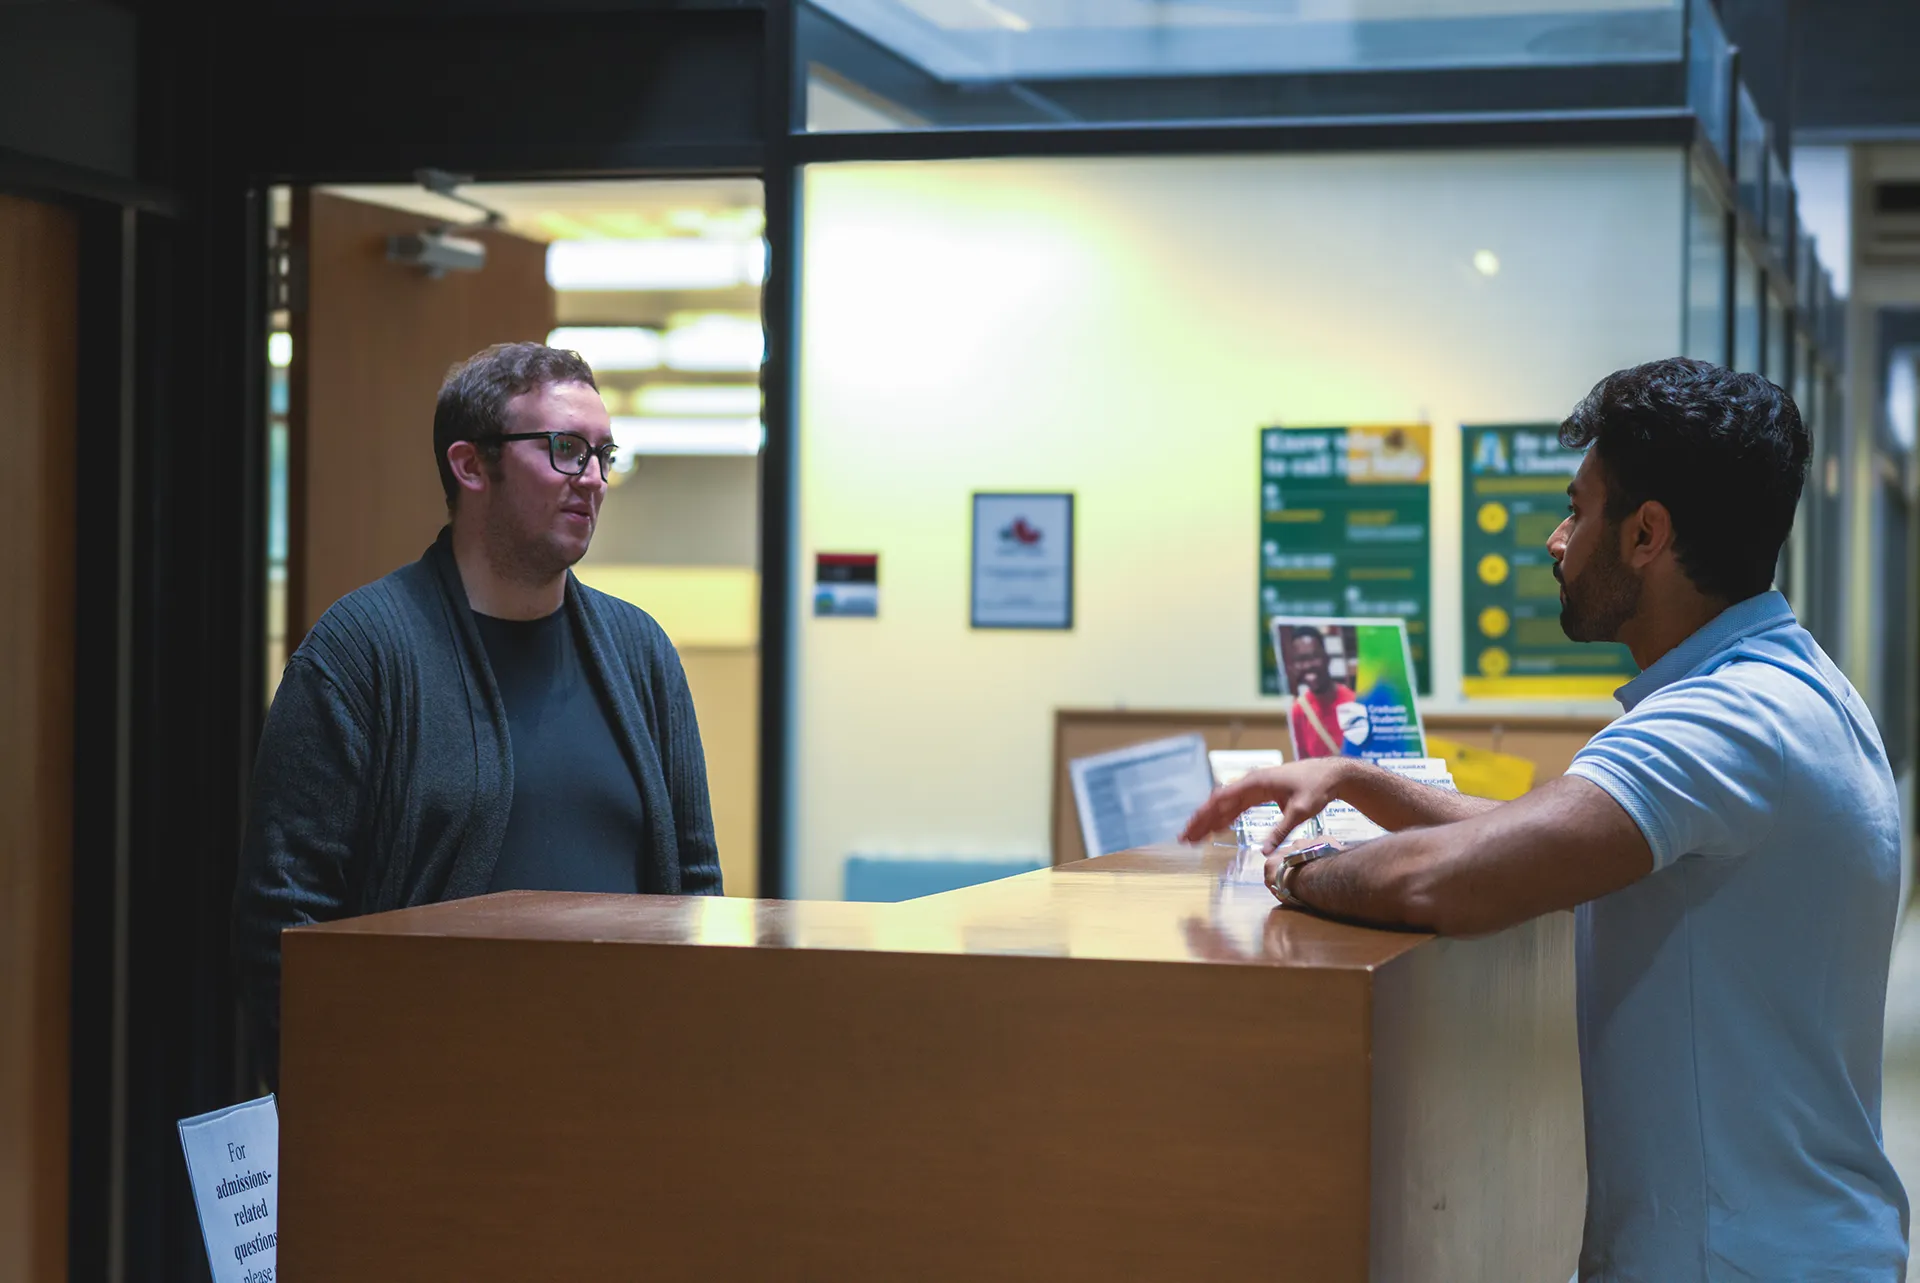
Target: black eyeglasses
{"x":568,"y":452}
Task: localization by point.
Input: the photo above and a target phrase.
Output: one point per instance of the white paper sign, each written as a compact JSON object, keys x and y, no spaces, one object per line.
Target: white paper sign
{"x":1023,"y":561}
{"x":1229,"y":764}
{"x":233,"y":1162}
{"x":1140,"y":795}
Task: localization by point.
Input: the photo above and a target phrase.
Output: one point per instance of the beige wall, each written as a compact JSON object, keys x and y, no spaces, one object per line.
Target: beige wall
{"x":726,"y":699}
{"x":1121,"y":329}
{"x":38,"y":256}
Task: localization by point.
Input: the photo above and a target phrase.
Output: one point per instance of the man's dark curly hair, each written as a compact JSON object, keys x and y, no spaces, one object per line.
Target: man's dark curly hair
{"x":473,"y":400}
{"x":1725,"y":453}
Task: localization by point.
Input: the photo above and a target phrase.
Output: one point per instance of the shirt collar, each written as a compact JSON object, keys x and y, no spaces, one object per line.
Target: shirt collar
{"x":1736,"y":623}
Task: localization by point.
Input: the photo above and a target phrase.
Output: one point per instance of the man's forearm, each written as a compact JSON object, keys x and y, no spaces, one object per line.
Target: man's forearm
{"x":1370,"y":883}
{"x":1395,"y":802}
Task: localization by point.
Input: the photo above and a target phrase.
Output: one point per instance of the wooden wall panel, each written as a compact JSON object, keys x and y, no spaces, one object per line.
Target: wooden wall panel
{"x":38,"y":336}
{"x":371,"y":346}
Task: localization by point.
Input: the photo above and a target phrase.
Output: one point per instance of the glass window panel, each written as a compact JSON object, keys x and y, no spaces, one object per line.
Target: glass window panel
{"x":1776,"y":338}
{"x":1710,"y":73}
{"x":1751,"y":166}
{"x":1806,"y":272}
{"x":1746,"y":312}
{"x":1779,"y":209}
{"x":1706,"y":273}
{"x":1123,"y":329}
{"x":903,"y":64}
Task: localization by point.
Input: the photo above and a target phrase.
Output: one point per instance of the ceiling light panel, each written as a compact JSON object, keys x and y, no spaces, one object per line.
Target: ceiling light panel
{"x":680,"y":263}
{"x":643,"y":434}
{"x":610,"y":347}
{"x":699,"y":399}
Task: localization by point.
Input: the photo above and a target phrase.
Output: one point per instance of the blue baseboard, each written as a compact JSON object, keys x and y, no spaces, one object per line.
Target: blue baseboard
{"x":888,"y":879}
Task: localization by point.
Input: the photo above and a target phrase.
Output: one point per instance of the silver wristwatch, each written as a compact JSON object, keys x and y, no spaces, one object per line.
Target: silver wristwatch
{"x":1291,"y":863}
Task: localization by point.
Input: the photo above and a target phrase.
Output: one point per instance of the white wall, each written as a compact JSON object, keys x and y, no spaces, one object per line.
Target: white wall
{"x":1121,"y":328}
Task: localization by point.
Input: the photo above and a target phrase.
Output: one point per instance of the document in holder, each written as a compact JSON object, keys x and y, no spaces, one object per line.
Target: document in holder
{"x":1139,"y":795}
{"x":1229,"y":764}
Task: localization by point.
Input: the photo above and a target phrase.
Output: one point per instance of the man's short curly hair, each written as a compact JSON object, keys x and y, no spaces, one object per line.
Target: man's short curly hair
{"x":1724,"y":453}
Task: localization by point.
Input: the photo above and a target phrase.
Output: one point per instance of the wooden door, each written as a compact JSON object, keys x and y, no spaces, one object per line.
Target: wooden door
{"x":38,"y":351}
{"x":371,"y":343}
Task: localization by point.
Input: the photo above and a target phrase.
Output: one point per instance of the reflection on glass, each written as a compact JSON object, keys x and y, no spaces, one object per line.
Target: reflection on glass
{"x":1746,"y":312}
{"x":1706,"y":274}
{"x":893,"y":64}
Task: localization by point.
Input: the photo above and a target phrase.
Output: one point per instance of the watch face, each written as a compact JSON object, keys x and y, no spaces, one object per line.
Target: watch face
{"x":1309,"y":853}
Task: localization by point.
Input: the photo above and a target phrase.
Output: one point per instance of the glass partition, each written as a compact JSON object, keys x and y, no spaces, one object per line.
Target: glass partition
{"x":931,"y":64}
{"x":1778,"y":309}
{"x":1709,"y":74}
{"x":1750,"y":168}
{"x":1746,"y":312}
{"x":1123,"y":330}
{"x":1779,"y":210}
{"x":1706,"y":272}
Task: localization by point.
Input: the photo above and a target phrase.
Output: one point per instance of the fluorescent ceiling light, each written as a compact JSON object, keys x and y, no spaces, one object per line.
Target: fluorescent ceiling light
{"x":676,"y":263}
{"x":729,"y":399}
{"x":647,"y":435}
{"x":610,"y":347}
{"x":716,"y":343}
{"x":279,"y":349}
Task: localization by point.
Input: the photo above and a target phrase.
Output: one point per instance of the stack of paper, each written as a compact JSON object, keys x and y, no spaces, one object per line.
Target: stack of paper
{"x":1342,"y":822}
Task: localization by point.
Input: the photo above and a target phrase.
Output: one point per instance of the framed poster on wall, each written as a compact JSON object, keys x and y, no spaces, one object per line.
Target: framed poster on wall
{"x":1514,"y":494}
{"x":1022,"y":561}
{"x":1346,"y":530}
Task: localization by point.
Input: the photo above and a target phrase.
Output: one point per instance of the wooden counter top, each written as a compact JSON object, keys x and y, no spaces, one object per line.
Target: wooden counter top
{"x":1159,"y":904}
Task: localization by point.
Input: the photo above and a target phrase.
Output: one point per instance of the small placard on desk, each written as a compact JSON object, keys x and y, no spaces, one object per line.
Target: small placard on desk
{"x":233,"y":1164}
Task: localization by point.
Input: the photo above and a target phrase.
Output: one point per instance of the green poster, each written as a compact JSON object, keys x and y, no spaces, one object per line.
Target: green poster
{"x":1515,"y":479}
{"x":1345,"y":530}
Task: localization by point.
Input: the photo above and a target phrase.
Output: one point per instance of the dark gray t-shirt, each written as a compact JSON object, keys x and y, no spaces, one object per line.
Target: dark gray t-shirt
{"x":577,"y":818}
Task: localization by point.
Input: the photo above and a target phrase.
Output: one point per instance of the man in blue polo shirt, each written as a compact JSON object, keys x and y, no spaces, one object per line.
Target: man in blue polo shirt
{"x":1731,"y":842}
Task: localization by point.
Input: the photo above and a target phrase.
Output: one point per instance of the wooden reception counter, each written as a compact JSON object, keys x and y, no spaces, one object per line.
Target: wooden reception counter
{"x":1134,"y":1067}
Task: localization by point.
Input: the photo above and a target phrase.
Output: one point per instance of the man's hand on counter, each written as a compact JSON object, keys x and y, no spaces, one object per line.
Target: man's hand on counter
{"x":1303,"y":789}
{"x":1300,"y":789}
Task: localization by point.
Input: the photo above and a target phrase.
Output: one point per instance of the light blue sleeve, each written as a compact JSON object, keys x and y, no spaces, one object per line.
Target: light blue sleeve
{"x":1699,"y":765}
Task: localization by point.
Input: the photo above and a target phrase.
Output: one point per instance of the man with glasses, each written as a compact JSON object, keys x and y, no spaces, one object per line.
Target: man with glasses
{"x":478,"y":720}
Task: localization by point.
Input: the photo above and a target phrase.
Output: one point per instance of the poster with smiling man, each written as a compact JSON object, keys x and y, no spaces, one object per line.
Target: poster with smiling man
{"x":1352,"y":687}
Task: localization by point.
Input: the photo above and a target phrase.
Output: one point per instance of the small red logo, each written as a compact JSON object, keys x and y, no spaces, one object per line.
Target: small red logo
{"x":1022,"y":533}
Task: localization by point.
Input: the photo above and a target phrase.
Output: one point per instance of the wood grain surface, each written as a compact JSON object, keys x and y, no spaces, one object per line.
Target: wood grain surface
{"x":39,"y":456}
{"x":1138,"y":1068}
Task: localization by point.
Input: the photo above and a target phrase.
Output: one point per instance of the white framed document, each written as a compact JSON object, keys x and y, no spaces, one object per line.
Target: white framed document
{"x":1141,"y":795}
{"x":1022,"y":561}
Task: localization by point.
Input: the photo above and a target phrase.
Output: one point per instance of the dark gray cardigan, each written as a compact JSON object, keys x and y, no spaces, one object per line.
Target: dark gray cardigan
{"x":385,"y":773}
